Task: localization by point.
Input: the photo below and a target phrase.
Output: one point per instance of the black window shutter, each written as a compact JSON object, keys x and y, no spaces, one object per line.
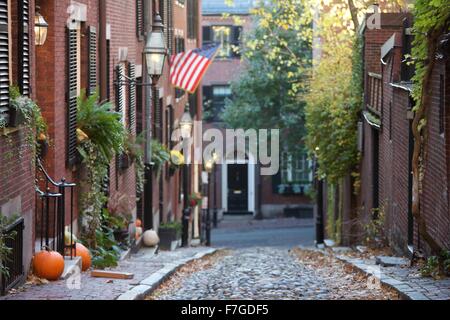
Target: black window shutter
{"x":170,"y":38}
{"x":72,"y":96}
{"x":236,"y":40}
{"x":140,"y":18}
{"x":120,"y":94}
{"x":92,"y":60}
{"x":24,"y":47}
{"x":207,"y":93}
{"x":132,"y":97}
{"x":4,"y":62}
{"x":207,"y":35}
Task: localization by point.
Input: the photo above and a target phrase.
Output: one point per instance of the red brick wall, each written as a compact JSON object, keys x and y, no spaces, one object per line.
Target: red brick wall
{"x":394,"y":152}
{"x":435,"y":197}
{"x":17,"y":171}
{"x":374,"y":39}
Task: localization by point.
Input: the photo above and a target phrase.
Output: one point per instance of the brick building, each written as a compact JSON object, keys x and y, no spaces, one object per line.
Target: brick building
{"x":89,"y":45}
{"x":388,"y":142}
{"x":17,"y":195}
{"x":239,"y":188}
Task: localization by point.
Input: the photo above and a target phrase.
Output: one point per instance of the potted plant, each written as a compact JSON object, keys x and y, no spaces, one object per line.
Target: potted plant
{"x":160,"y":155}
{"x":132,"y":151}
{"x":195,"y":199}
{"x":120,"y":209}
{"x":170,"y":235}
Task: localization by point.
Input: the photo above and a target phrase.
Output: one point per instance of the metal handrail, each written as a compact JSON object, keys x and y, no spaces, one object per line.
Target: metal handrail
{"x":59,"y":214}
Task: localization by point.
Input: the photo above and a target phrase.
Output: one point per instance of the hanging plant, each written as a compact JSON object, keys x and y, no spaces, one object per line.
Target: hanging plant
{"x":26,"y":113}
{"x":160,"y":155}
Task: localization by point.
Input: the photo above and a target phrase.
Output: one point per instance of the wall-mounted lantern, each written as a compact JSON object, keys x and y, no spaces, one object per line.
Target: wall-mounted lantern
{"x":40,"y":28}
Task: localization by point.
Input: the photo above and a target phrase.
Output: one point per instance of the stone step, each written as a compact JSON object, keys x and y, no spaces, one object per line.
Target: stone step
{"x":71,"y":266}
{"x":391,"y":261}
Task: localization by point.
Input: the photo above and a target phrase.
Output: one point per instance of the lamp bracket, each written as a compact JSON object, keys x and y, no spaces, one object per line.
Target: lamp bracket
{"x":127,"y":81}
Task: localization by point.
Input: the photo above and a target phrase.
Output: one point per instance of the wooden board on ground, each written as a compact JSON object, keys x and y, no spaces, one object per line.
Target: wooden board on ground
{"x":111,"y":274}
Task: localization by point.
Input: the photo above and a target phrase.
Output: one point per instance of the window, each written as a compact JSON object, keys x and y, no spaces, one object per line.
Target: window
{"x":4,"y":62}
{"x":21,"y":29}
{"x":229,"y":37}
{"x":140,"y":25}
{"x":179,"y":47}
{"x":220,"y":95}
{"x":295,"y":170}
{"x":166,"y":13}
{"x":441,"y":104}
{"x":222,"y":36}
{"x":120,"y":93}
{"x":74,"y":88}
{"x":192,"y":19}
{"x":92,"y":60}
{"x":214,"y":99}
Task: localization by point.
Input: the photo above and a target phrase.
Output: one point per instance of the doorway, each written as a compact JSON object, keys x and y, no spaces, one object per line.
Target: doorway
{"x":238,"y":188}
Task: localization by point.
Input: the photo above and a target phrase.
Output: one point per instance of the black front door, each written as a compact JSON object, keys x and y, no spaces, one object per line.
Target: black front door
{"x":238,"y":188}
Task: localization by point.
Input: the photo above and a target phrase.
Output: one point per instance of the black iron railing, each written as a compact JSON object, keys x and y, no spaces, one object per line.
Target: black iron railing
{"x":51,"y":212}
{"x":14,"y":261}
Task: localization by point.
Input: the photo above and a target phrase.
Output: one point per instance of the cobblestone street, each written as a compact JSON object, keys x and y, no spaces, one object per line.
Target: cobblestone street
{"x":268,"y":274}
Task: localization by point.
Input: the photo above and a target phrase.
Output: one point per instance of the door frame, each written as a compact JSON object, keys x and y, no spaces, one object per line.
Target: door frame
{"x":251,"y":183}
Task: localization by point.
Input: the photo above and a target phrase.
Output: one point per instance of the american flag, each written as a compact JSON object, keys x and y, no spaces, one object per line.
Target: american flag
{"x":188,"y":68}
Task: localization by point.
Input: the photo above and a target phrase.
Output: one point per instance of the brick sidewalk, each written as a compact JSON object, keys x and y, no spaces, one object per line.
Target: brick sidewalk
{"x":143,"y":265}
{"x":406,"y":280}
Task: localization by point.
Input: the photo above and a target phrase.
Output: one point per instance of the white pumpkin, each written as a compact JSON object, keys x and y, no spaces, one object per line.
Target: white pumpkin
{"x":150,"y":238}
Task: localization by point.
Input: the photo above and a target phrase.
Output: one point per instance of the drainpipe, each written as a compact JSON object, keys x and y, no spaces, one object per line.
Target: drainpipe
{"x":103,"y":50}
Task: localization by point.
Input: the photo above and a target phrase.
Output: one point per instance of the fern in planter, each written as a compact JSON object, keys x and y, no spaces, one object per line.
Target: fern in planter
{"x":160,"y":155}
{"x":101,"y":136}
{"x":101,"y":125}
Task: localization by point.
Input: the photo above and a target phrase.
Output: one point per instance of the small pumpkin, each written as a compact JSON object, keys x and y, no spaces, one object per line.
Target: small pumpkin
{"x":48,"y":265}
{"x":83,"y":252}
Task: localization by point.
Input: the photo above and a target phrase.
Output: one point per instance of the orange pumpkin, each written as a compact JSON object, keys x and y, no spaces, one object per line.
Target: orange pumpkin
{"x":48,"y":265}
{"x":85,"y":255}
{"x":138,"y":223}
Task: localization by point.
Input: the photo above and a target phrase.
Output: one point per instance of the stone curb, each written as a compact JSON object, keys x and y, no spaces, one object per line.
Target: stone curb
{"x":150,"y":284}
{"x":402,"y":288}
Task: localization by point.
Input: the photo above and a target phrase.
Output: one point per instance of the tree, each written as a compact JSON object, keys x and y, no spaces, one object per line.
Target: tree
{"x":277,"y":57}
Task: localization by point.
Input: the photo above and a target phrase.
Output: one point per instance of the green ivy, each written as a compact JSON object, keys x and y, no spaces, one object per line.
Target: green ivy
{"x":429,"y":17}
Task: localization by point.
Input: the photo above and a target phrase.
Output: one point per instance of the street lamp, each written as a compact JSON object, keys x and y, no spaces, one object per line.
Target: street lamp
{"x":209,"y":167}
{"x":186,"y":125}
{"x":319,"y":205}
{"x":40,"y":28}
{"x":155,"y":52}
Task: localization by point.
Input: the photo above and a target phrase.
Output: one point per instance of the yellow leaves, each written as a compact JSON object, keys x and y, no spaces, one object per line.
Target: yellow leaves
{"x":177,"y":158}
{"x":81,"y":136}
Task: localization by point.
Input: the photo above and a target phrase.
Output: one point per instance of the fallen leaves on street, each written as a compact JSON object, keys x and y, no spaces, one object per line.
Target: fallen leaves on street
{"x":347,"y":282}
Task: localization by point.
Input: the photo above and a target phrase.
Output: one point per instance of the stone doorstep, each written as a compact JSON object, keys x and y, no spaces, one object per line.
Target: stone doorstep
{"x":71,"y":266}
{"x":402,"y":288}
{"x":150,"y":284}
{"x":391,"y":261}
